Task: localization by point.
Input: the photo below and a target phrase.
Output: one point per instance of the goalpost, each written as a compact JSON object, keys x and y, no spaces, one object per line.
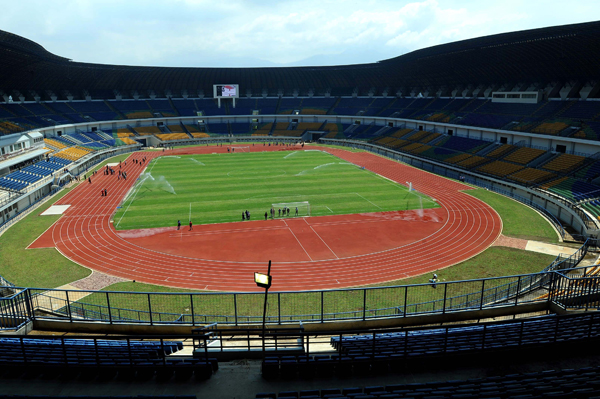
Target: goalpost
{"x":242,"y":148}
{"x":303,"y":208}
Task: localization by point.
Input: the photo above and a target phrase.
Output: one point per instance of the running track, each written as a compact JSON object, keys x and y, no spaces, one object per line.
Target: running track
{"x":86,"y":235}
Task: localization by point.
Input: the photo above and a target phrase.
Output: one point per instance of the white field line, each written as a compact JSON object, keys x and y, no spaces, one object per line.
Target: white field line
{"x":131,"y":201}
{"x":334,"y":254}
{"x":368,"y":201}
{"x":299,"y":243}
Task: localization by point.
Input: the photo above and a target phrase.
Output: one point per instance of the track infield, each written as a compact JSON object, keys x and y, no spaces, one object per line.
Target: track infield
{"x":323,"y":252}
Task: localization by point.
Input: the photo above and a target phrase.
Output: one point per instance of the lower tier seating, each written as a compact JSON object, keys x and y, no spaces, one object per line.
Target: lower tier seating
{"x":566,"y":383}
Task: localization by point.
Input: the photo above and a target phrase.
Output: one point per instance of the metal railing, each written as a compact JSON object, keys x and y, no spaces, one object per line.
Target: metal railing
{"x":5,"y":283}
{"x":290,"y":307}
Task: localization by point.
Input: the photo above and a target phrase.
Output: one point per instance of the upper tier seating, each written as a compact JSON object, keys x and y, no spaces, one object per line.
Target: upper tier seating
{"x":564,"y":163}
{"x":147,"y":130}
{"x":172,"y":136}
{"x":73,"y":153}
{"x":93,"y":136}
{"x":288,"y":105}
{"x":209,"y":107}
{"x":176,"y":128}
{"x":573,"y":189}
{"x":524,"y":155}
{"x":552,"y":128}
{"x":239,"y":128}
{"x":128,"y":141}
{"x":186,"y":107}
{"x":463,"y":144}
{"x":484,"y":120}
{"x":501,"y":151}
{"x":578,"y":110}
{"x":499,"y":168}
{"x":590,"y":171}
{"x":55,"y":144}
{"x":267,"y":106}
{"x":530,"y":176}
{"x":219,"y":128}
{"x":162,"y":106}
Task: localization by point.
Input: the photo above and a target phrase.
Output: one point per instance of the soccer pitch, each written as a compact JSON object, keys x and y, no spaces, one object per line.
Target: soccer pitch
{"x":217,"y":188}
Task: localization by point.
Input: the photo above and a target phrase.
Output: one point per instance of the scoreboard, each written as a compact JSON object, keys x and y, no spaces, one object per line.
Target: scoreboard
{"x":226,"y":91}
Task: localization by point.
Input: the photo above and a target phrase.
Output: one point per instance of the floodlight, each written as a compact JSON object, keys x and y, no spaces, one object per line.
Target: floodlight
{"x":262,"y":280}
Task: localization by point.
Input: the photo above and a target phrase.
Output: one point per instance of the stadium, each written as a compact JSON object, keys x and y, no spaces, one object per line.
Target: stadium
{"x":127,"y":269}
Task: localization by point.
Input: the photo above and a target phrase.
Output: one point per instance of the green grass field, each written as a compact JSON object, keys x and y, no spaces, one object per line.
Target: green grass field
{"x":217,"y":188}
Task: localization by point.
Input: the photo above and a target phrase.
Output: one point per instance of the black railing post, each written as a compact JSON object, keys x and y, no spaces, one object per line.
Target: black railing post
{"x":150,"y":309}
{"x":445,"y":292}
{"x":405,"y":300}
{"x":279,"y":308}
{"x":518,"y":290}
{"x":192,"y":309}
{"x":482,"y":292}
{"x":68,"y":306}
{"x":588,"y":282}
{"x":29,"y":304}
{"x":108,"y":307}
{"x":322,"y":305}
{"x":364,"y":304}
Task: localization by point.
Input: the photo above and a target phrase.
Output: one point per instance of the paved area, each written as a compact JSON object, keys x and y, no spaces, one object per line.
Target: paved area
{"x":533,"y":246}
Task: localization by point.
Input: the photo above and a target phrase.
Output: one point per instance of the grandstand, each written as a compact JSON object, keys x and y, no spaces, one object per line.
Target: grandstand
{"x":411,"y":108}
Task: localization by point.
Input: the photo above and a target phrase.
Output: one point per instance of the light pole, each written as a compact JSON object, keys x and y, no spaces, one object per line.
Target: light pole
{"x":264,"y":281}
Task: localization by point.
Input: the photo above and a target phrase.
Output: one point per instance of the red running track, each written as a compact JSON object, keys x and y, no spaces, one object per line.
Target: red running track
{"x":465,"y":227}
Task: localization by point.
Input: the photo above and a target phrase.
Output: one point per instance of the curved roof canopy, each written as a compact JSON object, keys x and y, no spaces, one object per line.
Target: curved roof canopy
{"x":539,"y":56}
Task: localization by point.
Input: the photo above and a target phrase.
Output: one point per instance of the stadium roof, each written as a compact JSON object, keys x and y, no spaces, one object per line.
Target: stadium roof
{"x":540,"y":56}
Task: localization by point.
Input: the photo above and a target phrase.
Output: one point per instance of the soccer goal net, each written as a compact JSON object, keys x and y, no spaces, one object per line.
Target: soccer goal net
{"x":241,"y":148}
{"x":296,"y":208}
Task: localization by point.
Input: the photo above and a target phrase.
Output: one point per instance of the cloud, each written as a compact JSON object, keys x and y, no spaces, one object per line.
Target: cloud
{"x":260,"y":33}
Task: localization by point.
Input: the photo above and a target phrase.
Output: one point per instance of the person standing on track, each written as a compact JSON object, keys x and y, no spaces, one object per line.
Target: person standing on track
{"x":191,"y":227}
{"x":178,"y":224}
{"x":296,"y":211}
{"x":266,"y":215}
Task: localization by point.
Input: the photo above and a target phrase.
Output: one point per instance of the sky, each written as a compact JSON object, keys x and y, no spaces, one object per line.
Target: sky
{"x":262,"y":33}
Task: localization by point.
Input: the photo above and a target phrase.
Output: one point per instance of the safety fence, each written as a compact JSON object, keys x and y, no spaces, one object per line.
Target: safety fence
{"x":290,"y":307}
